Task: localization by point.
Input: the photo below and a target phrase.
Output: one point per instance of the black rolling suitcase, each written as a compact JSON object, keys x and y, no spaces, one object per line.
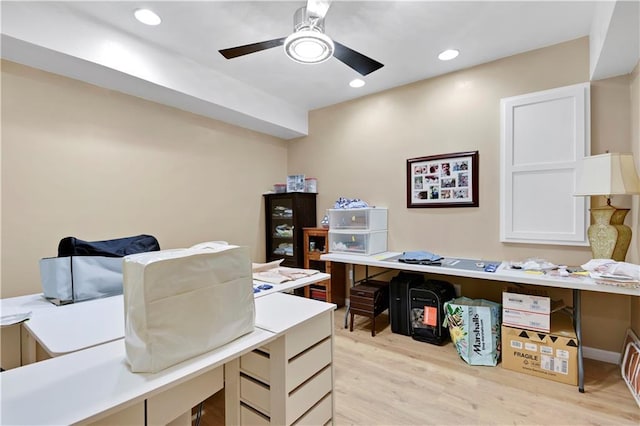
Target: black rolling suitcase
{"x":398,"y":297}
{"x":426,"y":311}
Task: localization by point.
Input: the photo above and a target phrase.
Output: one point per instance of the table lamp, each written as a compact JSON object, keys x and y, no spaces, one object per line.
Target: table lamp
{"x":608,"y":174}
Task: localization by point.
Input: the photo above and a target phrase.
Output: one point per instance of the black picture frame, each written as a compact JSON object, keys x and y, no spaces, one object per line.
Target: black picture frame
{"x":445,"y":180}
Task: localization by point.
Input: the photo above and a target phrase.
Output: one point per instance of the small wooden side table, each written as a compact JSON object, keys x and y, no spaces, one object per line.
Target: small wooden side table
{"x":370,"y":298}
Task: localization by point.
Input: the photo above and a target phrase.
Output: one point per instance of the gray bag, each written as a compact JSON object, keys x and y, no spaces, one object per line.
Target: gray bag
{"x":77,"y":278}
{"x":87,"y":270}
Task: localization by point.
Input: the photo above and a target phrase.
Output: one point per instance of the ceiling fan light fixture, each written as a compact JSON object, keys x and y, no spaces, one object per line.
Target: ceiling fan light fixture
{"x":309,"y":47}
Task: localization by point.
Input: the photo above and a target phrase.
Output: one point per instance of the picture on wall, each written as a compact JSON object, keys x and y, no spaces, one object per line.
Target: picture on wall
{"x":446,"y":180}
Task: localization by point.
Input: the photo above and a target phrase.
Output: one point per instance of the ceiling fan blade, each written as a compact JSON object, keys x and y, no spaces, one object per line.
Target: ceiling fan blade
{"x":234,"y":52}
{"x":318,"y":8}
{"x":359,"y":62}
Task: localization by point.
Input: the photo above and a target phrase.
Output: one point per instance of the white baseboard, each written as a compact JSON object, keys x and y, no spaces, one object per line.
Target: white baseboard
{"x":601,"y":355}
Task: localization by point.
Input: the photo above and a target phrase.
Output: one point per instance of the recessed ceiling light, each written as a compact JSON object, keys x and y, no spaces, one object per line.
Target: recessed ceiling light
{"x":356,"y":83}
{"x":146,"y":16}
{"x":448,"y":54}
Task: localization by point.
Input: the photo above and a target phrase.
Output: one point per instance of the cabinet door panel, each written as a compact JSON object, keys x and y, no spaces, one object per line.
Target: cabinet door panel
{"x":545,"y":135}
{"x":285,"y":217}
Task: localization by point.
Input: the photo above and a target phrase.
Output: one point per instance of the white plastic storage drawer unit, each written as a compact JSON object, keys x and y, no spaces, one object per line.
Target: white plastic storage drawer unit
{"x":358,"y":242}
{"x":369,"y":218}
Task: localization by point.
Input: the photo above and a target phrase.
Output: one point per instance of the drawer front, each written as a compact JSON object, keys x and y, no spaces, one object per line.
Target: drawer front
{"x":307,"y":395}
{"x":255,"y":394}
{"x":318,"y":415}
{"x":362,"y":295}
{"x":256,"y":364}
{"x":360,"y":299}
{"x":307,"y":334}
{"x":363,"y":218}
{"x":251,"y":417}
{"x":367,"y":307}
{"x":266,"y":348}
{"x":307,"y":364}
{"x":364,"y":242}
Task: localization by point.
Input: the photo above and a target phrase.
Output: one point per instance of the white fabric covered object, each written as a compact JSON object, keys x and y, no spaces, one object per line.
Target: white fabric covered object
{"x":183,"y":303}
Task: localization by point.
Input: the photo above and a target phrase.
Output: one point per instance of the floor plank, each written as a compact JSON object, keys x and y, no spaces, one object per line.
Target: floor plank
{"x":391,"y":379}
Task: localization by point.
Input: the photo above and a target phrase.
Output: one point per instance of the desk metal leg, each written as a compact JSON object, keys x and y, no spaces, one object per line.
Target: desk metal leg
{"x":351,"y":278}
{"x":578,"y":325}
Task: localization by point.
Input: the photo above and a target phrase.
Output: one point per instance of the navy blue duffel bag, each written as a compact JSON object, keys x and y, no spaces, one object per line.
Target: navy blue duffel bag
{"x":120,"y":247}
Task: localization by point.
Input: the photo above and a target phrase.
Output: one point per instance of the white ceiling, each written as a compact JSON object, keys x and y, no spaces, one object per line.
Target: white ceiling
{"x":177,"y":62}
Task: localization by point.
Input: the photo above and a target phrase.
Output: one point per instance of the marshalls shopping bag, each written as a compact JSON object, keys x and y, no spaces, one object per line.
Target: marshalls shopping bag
{"x":474,"y":326}
{"x":183,"y":303}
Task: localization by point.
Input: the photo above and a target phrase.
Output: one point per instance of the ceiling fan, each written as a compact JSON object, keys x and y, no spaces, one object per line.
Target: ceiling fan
{"x":309,"y":44}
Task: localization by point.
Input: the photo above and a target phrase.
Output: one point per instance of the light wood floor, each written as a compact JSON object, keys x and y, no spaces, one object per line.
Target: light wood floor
{"x":390,"y":379}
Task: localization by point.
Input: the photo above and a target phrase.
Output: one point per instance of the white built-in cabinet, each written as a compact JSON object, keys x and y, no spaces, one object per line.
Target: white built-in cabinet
{"x":544,"y":137}
{"x":286,"y":382}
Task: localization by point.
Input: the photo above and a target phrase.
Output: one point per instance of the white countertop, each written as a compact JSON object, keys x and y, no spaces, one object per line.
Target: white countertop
{"x":60,"y":331}
{"x":24,"y":305}
{"x":503,"y":273}
{"x":276,"y":313}
{"x":290,"y":285}
{"x":93,"y":382}
{"x":89,"y":383}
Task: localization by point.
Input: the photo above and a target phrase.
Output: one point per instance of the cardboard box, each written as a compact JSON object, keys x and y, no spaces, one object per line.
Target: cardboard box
{"x":526,"y":302}
{"x":526,"y":320}
{"x":552,"y":355}
{"x":528,"y":308}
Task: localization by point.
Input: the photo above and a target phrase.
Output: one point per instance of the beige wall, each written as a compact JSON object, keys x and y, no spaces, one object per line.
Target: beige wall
{"x":78,"y":160}
{"x":84,"y":161}
{"x":635,"y":213}
{"x":359,"y":149}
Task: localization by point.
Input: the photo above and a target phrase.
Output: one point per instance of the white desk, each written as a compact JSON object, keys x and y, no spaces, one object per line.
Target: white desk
{"x":271,"y":316}
{"x":503,"y":273}
{"x":92,"y":384}
{"x":15,"y":338}
{"x":58,"y":331}
{"x":28,"y":303}
{"x":290,"y":285}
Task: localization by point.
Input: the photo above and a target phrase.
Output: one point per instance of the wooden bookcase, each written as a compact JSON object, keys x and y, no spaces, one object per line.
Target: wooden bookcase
{"x":316,"y":243}
{"x":286,"y":215}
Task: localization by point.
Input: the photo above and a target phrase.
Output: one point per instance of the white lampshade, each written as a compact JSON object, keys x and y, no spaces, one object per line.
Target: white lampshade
{"x":608,"y":174}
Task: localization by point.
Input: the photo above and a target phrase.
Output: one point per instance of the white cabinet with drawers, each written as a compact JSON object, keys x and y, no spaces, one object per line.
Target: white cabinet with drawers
{"x":367,"y":218}
{"x":288,"y":381}
{"x":358,"y":231}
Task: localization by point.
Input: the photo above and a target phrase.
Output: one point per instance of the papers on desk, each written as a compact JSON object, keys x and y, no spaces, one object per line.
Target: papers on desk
{"x":615,"y":280}
{"x":610,"y":272}
{"x":283,"y":274}
{"x":12,"y":316}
